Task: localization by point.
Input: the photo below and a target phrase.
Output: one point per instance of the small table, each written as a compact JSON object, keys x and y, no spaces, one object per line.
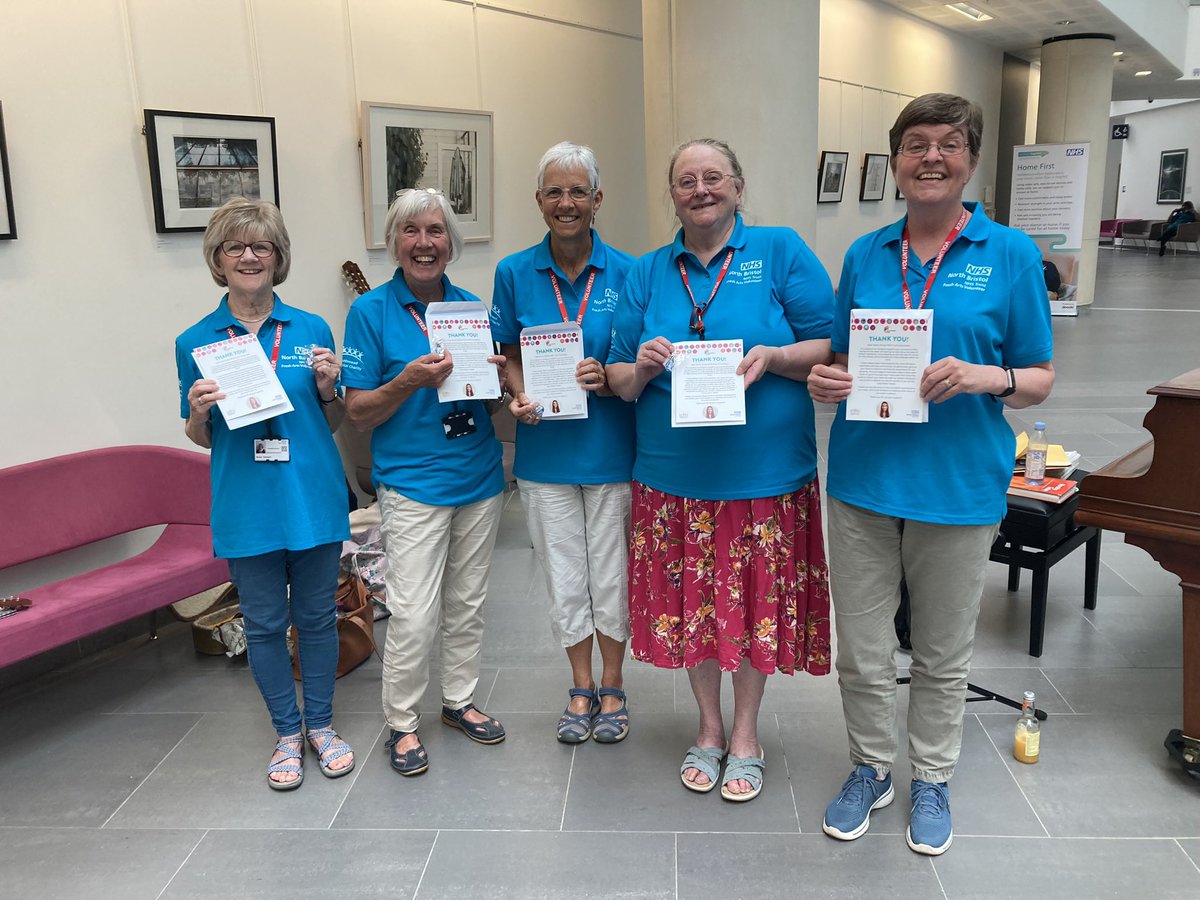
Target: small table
{"x":1035,"y":535}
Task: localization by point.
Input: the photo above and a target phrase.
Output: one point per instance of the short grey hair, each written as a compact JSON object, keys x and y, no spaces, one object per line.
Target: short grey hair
{"x":720,"y":146}
{"x":409,"y":204}
{"x":940,"y":109}
{"x":570,"y":156}
{"x":255,"y":219}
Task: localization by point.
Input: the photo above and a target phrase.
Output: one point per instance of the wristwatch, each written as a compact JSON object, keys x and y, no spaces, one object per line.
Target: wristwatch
{"x":1012,"y":383}
{"x":337,"y":394}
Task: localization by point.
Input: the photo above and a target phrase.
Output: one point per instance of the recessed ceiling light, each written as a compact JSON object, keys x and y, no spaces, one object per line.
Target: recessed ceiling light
{"x":1143,"y":73}
{"x":965,"y":9}
{"x":1118,"y":53}
{"x":1065,"y":22}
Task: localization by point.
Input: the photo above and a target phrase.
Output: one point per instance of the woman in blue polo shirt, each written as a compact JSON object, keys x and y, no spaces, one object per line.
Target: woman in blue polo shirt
{"x":574,"y":474}
{"x":727,"y":567}
{"x":278,"y":490}
{"x":922,"y":501}
{"x":438,"y":471}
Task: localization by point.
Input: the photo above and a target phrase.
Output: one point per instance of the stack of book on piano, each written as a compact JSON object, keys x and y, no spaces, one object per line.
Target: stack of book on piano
{"x":1050,"y":490}
{"x":1055,"y":487}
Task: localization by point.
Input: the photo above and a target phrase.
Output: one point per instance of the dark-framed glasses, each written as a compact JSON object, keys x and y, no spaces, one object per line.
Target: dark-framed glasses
{"x":697,"y":322}
{"x":578,"y":193}
{"x":234,"y":249}
{"x":917,"y":149}
{"x":687,"y":184}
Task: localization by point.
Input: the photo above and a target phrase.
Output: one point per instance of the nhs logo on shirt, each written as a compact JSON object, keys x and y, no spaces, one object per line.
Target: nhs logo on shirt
{"x":606,"y":303}
{"x":974,"y":278}
{"x":351,"y":357}
{"x":750,"y":271}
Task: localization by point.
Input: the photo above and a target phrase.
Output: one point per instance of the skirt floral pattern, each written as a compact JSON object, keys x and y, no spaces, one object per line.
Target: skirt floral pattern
{"x":729,"y":580}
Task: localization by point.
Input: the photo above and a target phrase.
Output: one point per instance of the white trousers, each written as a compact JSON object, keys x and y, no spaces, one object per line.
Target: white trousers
{"x":438,"y":562}
{"x":580,"y":534}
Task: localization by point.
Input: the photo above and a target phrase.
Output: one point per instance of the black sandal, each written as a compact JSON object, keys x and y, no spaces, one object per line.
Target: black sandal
{"x":412,"y":762}
{"x":489,"y":732}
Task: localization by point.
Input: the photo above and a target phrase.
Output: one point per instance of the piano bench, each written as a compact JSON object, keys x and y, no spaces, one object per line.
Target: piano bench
{"x":1035,"y":535}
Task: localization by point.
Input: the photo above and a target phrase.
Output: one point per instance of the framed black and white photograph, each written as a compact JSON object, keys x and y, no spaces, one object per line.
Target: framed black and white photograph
{"x":1172,"y":172}
{"x":831,"y":178}
{"x":8,"y":219}
{"x":198,"y":161}
{"x":446,"y":150}
{"x":874,"y":176}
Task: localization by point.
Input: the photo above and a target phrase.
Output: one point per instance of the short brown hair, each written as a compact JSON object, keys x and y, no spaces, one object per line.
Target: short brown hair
{"x":941,"y":109}
{"x":255,"y":219}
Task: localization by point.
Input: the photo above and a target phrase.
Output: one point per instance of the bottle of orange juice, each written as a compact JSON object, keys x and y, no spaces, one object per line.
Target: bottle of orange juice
{"x":1027,"y":739}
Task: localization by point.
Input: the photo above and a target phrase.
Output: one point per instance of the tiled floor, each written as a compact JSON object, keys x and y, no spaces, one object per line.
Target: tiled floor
{"x":139,"y":773}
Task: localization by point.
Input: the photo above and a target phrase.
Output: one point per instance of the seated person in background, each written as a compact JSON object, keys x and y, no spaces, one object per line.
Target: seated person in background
{"x":1053,"y":279}
{"x":1182,"y":216}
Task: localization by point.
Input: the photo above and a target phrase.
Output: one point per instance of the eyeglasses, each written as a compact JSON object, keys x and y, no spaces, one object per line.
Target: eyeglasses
{"x":578,"y":193}
{"x":697,"y":322}
{"x":917,"y":149}
{"x":234,"y":249}
{"x":687,"y":184}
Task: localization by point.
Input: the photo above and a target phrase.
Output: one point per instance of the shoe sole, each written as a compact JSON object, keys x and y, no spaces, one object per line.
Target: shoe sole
{"x":285,"y":785}
{"x":610,"y":740}
{"x":458,"y":726}
{"x":698,"y":788}
{"x":925,"y":849}
{"x":858,"y":832}
{"x":411,"y":772}
{"x":338,"y":773}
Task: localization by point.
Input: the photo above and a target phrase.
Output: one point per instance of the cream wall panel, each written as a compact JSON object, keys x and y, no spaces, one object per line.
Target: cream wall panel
{"x":1151,"y":132}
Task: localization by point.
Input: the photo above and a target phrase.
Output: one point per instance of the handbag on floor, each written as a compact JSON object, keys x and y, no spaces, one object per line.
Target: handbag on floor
{"x":355,"y":627}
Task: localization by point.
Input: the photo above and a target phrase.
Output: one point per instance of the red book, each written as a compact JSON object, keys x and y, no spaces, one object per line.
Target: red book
{"x":1051,"y":490}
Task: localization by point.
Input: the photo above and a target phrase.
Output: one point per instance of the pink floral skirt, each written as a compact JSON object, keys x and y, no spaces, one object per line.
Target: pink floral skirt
{"x":729,"y":580}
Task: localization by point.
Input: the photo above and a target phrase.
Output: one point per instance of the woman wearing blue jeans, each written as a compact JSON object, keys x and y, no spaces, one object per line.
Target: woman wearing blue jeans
{"x":279,"y":497}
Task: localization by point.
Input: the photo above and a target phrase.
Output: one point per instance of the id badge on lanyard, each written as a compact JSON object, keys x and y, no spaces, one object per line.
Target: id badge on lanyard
{"x":268,"y":448}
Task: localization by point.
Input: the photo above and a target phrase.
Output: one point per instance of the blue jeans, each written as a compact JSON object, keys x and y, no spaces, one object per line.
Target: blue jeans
{"x":262,"y":582}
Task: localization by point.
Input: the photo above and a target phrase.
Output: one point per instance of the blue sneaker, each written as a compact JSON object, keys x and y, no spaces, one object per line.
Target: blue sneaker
{"x":929,"y":829}
{"x":849,"y":814}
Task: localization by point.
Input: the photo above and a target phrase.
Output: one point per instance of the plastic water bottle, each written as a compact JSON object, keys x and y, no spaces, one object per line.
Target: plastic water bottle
{"x":1035,"y":456}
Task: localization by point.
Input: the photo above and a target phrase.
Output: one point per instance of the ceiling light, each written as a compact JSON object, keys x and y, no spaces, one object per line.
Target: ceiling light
{"x":969,"y":11}
{"x":1118,"y":53}
{"x":1143,"y":73}
{"x":1065,"y":22}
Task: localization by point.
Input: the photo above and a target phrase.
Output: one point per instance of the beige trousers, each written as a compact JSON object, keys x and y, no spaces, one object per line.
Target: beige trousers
{"x":438,"y":561}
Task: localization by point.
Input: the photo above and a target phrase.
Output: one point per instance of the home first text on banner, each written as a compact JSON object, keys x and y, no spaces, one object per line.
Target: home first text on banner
{"x":1049,"y":184}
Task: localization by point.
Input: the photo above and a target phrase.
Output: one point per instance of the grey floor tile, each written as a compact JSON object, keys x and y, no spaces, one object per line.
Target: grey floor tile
{"x":1147,"y":628}
{"x":1105,"y":776}
{"x":79,"y":771}
{"x":518,"y":784}
{"x":544,"y":690}
{"x":216,"y":778}
{"x":1139,"y":569}
{"x":1191,"y":846}
{"x":635,"y":785}
{"x":769,"y":866}
{"x":1084,"y":869}
{"x":261,"y":864}
{"x":1108,"y":692}
{"x":1012,"y":683}
{"x":550,"y":865}
{"x":90,"y":862}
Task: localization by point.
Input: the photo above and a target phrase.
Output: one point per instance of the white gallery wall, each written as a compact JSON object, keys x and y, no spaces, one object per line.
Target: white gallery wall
{"x":1152,"y":130}
{"x":91,"y":298}
{"x":874,"y":59}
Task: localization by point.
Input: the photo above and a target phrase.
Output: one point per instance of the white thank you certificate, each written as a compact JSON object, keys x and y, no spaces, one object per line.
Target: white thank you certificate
{"x":462,"y":329}
{"x":889,"y":351}
{"x":549,"y":356}
{"x":244,"y":375}
{"x":705,"y":386}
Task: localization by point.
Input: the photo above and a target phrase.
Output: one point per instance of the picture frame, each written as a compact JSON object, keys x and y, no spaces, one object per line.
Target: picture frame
{"x":831,"y":176}
{"x":1172,"y":175}
{"x":435,"y":148}
{"x":8,"y":217}
{"x":198,"y":161}
{"x":874,"y":176}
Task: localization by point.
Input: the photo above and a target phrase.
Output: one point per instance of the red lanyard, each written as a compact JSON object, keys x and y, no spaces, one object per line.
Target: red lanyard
{"x":698,"y":311}
{"x":274,"y":347}
{"x":420,"y":323}
{"x":587,"y":292}
{"x":954,"y":232}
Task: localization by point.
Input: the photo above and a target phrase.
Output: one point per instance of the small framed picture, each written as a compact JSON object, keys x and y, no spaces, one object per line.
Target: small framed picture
{"x":198,"y":161}
{"x":1172,"y":174}
{"x":831,"y":178}
{"x":874,"y":176}
{"x":8,"y":219}
{"x":443,"y":150}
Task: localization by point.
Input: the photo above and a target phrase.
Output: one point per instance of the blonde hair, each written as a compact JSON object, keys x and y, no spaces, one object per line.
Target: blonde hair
{"x":254,"y":219}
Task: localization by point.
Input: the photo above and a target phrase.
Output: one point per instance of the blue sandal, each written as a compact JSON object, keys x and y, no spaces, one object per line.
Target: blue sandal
{"x":575,"y":728}
{"x":611,"y":727}
{"x":330,"y":746}
{"x":703,"y":759}
{"x":292,"y":748}
{"x":488,"y":732}
{"x":746,"y":768}
{"x":411,"y":762}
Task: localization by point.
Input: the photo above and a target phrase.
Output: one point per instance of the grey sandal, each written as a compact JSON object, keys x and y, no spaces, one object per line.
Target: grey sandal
{"x":611,"y":727}
{"x":706,"y":760}
{"x":575,"y":728}
{"x":292,"y":748}
{"x":745,"y":768}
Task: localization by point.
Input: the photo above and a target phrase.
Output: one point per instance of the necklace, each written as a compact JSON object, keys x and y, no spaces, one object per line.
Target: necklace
{"x":252,"y":321}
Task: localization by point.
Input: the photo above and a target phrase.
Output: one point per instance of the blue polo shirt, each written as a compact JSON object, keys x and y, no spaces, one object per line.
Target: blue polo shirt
{"x":410,"y":451}
{"x":595,"y":450}
{"x":775,"y":293}
{"x":263,"y":507}
{"x":990,"y":308}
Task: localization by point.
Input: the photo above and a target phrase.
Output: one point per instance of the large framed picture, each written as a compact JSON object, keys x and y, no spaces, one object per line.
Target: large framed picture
{"x":874,"y":176}
{"x":1172,"y":172}
{"x":831,"y":177}
{"x":445,"y":150}
{"x":8,"y":219}
{"x":198,"y":161}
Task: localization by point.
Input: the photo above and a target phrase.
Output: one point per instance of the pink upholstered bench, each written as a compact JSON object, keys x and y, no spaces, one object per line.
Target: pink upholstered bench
{"x":70,"y":501}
